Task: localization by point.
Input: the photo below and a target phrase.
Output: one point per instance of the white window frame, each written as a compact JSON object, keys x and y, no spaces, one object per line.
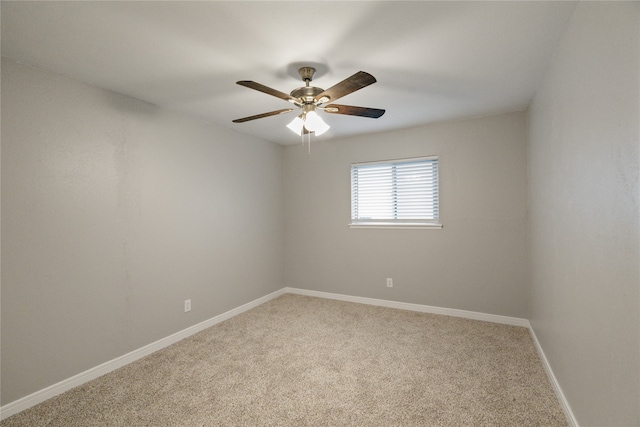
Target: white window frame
{"x":429,"y":221}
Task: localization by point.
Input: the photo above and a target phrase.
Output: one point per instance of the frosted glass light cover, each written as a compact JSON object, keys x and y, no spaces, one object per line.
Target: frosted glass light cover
{"x":314,"y":123}
{"x":296,"y":125}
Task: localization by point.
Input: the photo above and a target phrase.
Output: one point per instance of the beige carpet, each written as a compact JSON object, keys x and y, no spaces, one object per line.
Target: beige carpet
{"x":303,"y":361}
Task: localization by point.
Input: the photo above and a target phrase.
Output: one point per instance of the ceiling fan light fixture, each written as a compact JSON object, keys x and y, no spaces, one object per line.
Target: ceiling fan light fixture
{"x":309,"y":121}
{"x":314,"y":123}
{"x":296,"y":125}
{"x":319,"y":131}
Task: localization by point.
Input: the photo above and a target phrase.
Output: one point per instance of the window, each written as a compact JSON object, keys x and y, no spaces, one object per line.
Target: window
{"x":398,"y":193}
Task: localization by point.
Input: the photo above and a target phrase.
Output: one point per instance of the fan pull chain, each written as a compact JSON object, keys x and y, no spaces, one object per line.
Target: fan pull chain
{"x":308,"y":141}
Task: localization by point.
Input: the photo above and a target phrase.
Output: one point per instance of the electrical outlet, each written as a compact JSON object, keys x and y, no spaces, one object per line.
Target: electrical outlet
{"x":187,"y":305}
{"x":389,"y":282}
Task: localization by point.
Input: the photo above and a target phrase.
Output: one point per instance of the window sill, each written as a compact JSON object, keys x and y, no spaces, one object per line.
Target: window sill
{"x":394,"y":225}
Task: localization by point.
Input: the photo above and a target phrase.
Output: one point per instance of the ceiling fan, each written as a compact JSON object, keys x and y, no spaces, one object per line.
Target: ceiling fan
{"x":310,"y":99}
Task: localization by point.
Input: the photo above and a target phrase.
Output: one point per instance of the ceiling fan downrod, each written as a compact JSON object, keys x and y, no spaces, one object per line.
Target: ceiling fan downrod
{"x":307,"y":74}
{"x":307,"y":94}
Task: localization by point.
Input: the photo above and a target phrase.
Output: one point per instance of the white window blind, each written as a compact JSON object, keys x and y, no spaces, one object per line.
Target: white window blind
{"x":396,"y":192}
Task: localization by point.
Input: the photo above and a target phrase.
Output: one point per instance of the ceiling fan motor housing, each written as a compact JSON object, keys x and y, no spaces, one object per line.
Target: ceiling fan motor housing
{"x":307,"y":94}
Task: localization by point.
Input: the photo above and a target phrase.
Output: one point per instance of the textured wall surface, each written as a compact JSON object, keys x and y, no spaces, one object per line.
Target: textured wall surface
{"x":113,"y":213}
{"x":583,"y":202}
{"x":476,"y":262}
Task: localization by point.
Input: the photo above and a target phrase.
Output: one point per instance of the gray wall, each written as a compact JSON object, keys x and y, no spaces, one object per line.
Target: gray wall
{"x":113,"y":213}
{"x":583,"y":201}
{"x":476,"y":262}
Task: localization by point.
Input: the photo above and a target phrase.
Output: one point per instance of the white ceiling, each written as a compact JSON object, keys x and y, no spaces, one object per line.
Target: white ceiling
{"x":434,"y":61}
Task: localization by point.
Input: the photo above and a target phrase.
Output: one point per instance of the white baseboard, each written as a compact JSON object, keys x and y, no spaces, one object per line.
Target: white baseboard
{"x":505,"y":320}
{"x":513,"y":321}
{"x":568,"y":413}
{"x":83,"y":377}
{"x":93,"y":373}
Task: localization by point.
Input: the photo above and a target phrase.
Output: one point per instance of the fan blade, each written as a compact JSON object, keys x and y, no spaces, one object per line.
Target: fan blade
{"x":269,"y":91}
{"x":259,"y":116}
{"x":351,"y":110}
{"x":347,"y":86}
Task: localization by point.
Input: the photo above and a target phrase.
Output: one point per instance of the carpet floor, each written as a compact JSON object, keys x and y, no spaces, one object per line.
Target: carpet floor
{"x":305,"y":361}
